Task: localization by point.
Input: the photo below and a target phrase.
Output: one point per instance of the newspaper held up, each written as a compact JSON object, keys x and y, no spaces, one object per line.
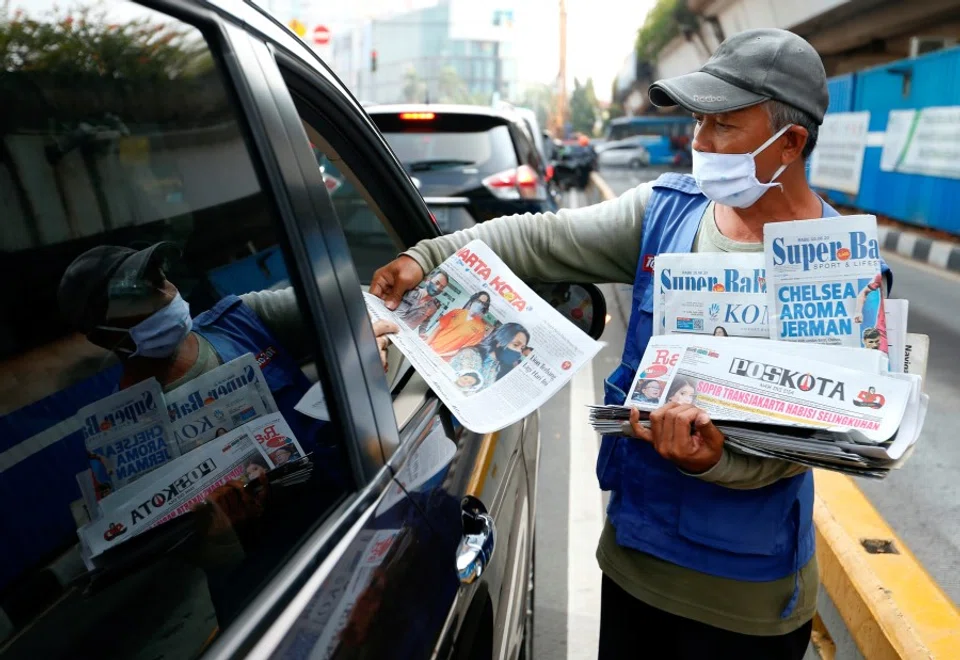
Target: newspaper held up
{"x":825,"y":284}
{"x":127,"y":434}
{"x":491,"y":348}
{"x":218,"y":401}
{"x":677,"y":274}
{"x":770,"y":399}
{"x":718,"y":314}
{"x":178,"y":487}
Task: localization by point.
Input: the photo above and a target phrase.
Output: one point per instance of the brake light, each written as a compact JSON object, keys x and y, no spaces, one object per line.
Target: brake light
{"x":519,"y":183}
{"x":417,"y":116}
{"x":549,"y":172}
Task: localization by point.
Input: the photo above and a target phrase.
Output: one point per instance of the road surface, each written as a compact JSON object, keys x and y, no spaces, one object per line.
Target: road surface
{"x":921,"y":501}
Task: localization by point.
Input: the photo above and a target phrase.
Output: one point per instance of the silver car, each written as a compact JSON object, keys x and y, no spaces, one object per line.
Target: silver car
{"x":629,"y":152}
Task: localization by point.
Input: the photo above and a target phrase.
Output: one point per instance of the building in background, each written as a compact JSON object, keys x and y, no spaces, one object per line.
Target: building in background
{"x":455,"y":50}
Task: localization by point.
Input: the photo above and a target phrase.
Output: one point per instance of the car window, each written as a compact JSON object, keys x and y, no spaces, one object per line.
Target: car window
{"x":158,"y":382}
{"x":433,"y":143}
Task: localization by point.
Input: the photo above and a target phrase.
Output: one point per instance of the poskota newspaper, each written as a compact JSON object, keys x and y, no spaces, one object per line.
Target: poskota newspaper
{"x":824,"y":283}
{"x":182,"y":484}
{"x":676,"y":274}
{"x":489,"y":346}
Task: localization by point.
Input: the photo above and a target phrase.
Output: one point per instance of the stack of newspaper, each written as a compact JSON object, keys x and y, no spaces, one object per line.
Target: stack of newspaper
{"x":154,"y":456}
{"x":794,"y":352}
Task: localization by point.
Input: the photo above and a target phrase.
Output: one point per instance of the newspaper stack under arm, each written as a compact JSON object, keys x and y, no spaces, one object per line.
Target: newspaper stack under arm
{"x":830,"y":407}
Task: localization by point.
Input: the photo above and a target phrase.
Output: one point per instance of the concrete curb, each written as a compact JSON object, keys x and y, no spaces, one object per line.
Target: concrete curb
{"x":912,"y":245}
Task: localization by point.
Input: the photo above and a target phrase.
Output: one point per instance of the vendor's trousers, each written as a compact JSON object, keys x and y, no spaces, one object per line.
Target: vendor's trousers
{"x":632,"y":630}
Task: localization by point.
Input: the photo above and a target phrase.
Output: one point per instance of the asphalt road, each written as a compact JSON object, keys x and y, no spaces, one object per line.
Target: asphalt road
{"x":921,"y":501}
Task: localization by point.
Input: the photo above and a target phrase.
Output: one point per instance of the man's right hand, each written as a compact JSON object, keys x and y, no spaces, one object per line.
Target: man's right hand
{"x":395,"y":279}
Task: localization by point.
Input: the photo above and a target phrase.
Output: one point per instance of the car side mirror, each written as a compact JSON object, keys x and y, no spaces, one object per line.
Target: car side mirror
{"x":581,"y":304}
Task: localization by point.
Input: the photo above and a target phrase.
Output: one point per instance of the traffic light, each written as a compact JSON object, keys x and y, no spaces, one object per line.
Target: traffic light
{"x":373,"y":61}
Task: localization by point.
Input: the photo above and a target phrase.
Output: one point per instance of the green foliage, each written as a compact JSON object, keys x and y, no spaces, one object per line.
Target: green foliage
{"x":452,"y":89}
{"x":664,"y":22}
{"x":82,"y":43}
{"x":583,"y":107}
{"x":414,"y":89}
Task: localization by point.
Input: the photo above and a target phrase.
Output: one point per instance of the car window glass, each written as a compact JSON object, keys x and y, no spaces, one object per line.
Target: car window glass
{"x":158,"y":383}
{"x":371,"y":243}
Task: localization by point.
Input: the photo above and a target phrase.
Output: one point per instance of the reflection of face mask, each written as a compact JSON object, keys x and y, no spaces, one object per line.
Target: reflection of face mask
{"x":433,"y":289}
{"x":731,"y":179}
{"x":159,"y":334}
{"x":476,"y":308}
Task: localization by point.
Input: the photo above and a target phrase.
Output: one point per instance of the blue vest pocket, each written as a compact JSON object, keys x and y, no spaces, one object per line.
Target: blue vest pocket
{"x":753,"y":522}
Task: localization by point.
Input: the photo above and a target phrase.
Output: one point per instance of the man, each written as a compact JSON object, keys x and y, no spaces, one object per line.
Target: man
{"x":420,"y":305}
{"x":706,"y":553}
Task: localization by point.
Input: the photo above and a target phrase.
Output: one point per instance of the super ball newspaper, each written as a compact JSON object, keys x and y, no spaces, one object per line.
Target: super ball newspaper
{"x":491,"y":348}
{"x":824,"y":281}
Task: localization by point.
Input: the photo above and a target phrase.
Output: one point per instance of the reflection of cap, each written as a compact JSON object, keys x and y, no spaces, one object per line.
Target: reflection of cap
{"x":83,"y":288}
{"x":749,"y":68}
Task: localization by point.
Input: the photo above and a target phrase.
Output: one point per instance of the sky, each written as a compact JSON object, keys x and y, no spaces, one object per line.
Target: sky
{"x":600,"y":33}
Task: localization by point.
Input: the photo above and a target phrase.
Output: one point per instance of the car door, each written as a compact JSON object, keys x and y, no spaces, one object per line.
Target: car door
{"x":443,"y":474}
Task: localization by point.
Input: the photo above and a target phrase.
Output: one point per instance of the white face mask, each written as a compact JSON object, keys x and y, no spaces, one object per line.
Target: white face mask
{"x":731,"y":179}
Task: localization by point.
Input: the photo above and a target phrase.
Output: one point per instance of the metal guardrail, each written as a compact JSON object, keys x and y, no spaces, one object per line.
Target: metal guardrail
{"x":887,"y":601}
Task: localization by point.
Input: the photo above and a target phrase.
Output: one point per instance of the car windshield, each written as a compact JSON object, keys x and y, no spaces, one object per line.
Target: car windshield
{"x":427,"y":146}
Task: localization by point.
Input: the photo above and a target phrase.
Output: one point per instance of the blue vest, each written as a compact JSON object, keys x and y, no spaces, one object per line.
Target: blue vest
{"x":753,"y":535}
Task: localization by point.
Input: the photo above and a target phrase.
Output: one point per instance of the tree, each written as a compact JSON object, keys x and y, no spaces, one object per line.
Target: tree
{"x":450,"y":87}
{"x":540,"y":99}
{"x":664,"y":21}
{"x":583,"y":107}
{"x":414,"y":89}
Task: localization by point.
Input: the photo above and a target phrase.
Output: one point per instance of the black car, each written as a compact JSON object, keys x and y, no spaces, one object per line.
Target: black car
{"x":575,"y":162}
{"x":471,"y":163}
{"x":211,"y":135}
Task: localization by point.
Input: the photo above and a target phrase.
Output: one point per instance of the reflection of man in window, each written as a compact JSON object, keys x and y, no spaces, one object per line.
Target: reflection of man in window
{"x":419,"y":306}
{"x":122,"y":300}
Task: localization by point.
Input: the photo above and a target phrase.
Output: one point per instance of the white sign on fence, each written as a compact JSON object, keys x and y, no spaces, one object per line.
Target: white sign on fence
{"x":925,"y":141}
{"x":837,"y":161}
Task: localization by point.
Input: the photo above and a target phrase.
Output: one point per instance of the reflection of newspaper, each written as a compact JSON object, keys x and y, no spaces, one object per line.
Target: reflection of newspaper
{"x":769,"y":383}
{"x":824,"y":281}
{"x":719,"y":273}
{"x":497,"y":351}
{"x":218,"y":401}
{"x":174,"y":489}
{"x":426,"y":463}
{"x":275,"y":438}
{"x":127,"y":434}
{"x":719,"y":314}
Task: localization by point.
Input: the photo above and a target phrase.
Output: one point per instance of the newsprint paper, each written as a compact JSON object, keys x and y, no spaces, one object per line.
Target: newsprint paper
{"x":845,"y":412}
{"x":491,"y":348}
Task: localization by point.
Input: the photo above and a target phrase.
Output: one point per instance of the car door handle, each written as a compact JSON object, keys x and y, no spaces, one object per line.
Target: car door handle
{"x":476,"y":546}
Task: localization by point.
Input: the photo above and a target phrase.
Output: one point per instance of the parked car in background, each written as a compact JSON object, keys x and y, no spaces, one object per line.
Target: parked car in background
{"x":218,"y":135}
{"x":623,"y":153}
{"x":667,"y":138}
{"x":473,"y":163}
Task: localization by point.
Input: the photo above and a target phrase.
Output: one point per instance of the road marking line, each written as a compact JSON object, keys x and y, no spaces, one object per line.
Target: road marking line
{"x":894,"y":258}
{"x":585,"y":524}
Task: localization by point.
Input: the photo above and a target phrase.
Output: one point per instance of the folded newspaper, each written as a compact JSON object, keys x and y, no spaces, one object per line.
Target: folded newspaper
{"x":491,"y":348}
{"x":819,"y":405}
{"x":184,"y":482}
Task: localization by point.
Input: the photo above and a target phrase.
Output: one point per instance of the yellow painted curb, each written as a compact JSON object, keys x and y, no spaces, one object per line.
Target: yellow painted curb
{"x":890,"y":605}
{"x":606,"y":192}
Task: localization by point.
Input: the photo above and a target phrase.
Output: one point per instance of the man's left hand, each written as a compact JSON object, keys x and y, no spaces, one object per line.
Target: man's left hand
{"x":682,"y":434}
{"x":381,"y":330}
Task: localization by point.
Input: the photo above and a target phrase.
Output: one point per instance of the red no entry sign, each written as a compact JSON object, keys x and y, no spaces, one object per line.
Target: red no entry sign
{"x":321,"y":35}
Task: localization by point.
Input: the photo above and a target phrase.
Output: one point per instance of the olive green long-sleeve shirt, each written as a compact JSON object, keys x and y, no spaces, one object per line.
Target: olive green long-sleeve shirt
{"x":601,"y":243}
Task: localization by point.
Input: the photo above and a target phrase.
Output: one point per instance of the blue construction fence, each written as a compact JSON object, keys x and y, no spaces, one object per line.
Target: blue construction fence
{"x":926,"y":199}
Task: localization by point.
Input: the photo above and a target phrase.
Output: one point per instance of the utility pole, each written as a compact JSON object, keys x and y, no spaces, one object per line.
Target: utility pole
{"x":561,"y":118}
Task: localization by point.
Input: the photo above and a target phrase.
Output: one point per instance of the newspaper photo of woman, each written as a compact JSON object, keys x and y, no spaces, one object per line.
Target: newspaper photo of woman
{"x":255,"y":468}
{"x":496,"y":356}
{"x":469,"y":382}
{"x":720,"y":331}
{"x":683,"y":390}
{"x":461,"y":328}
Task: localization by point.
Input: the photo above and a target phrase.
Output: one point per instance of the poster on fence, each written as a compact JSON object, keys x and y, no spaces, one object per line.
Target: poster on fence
{"x":837,"y":162}
{"x":924,"y":141}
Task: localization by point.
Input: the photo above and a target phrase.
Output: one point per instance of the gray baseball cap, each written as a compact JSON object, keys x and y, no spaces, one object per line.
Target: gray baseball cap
{"x":749,"y":68}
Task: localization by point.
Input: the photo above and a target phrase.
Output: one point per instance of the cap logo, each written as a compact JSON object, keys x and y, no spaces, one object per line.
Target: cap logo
{"x":709,"y":98}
